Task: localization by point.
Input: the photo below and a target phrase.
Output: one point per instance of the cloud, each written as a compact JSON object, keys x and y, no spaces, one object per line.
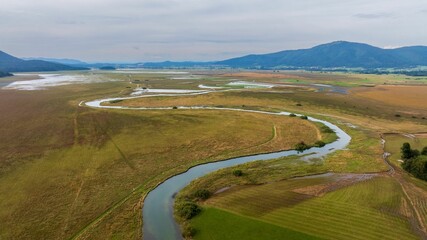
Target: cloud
{"x":392,"y":47}
{"x":144,"y":30}
{"x":374,"y":15}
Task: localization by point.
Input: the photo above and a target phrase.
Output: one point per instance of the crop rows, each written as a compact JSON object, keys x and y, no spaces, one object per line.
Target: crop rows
{"x":366,"y":210}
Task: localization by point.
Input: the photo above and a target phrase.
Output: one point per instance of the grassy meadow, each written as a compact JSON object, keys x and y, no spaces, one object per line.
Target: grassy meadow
{"x":70,"y":172}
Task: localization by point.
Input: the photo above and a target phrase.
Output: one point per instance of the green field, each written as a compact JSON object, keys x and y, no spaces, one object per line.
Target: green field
{"x":219,"y":224}
{"x":371,"y":209}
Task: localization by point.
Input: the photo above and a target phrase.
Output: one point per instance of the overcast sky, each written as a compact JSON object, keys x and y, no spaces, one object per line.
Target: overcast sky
{"x":157,"y":30}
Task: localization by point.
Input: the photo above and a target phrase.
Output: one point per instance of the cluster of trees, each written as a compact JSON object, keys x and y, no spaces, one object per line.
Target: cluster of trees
{"x":414,"y":161}
{"x":413,"y":73}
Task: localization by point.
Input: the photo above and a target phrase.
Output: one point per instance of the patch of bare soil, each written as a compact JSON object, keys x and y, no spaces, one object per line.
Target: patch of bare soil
{"x":340,"y":181}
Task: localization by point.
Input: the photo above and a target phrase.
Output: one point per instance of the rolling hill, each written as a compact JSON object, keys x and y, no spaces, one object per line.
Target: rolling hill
{"x":9,"y":63}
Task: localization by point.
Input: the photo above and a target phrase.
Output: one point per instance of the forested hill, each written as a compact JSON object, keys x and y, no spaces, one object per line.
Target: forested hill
{"x":9,"y":63}
{"x":336,"y":54}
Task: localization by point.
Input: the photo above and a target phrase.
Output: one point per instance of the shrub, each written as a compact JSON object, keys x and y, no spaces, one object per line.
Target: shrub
{"x":188,"y":231}
{"x":319,"y":144}
{"x":304,"y":117}
{"x":292,"y":115}
{"x":301,"y":147}
{"x":237,"y":173}
{"x":326,"y":129}
{"x":298,"y":104}
{"x":202,"y":194}
{"x":115,"y":101}
{"x":397,"y":115}
{"x":188,"y":210}
{"x":175,"y":107}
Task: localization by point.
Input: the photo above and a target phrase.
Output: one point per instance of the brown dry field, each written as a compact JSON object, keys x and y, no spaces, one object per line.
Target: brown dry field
{"x":263,"y":75}
{"x":359,"y":111}
{"x":316,"y":77}
{"x":398,"y":95}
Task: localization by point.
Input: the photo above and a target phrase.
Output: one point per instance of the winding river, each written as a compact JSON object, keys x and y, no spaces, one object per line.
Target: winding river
{"x":157,"y":212}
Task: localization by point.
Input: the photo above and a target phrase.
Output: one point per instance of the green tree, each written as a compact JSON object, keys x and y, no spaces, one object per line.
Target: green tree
{"x":419,"y":168}
{"x":424,"y":151}
{"x":415,"y":153}
{"x":407,"y":165}
{"x":406,"y":151}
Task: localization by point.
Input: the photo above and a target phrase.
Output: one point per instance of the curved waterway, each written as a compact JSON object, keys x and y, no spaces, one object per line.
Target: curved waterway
{"x":159,"y":223}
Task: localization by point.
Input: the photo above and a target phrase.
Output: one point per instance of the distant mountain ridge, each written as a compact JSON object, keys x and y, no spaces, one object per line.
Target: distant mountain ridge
{"x":9,"y":63}
{"x":335,"y":55}
{"x":339,"y":54}
{"x":65,"y":61}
